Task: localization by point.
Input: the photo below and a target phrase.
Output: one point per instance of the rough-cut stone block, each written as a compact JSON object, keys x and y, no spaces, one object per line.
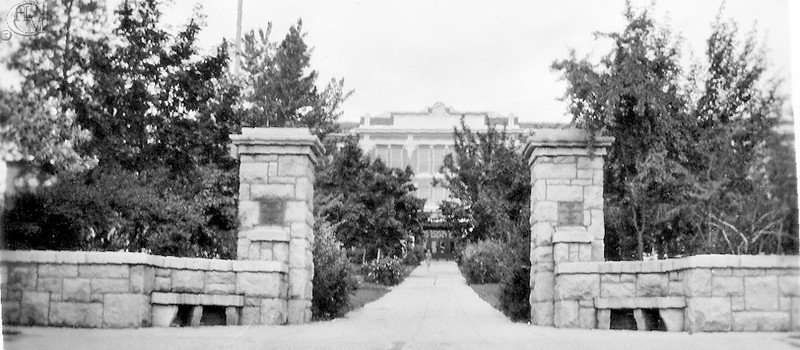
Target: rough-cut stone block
{"x":220,"y":277}
{"x":708,"y":314}
{"x":561,"y":252}
{"x":542,"y":313}
{"x":51,"y":270}
{"x":593,"y":197}
{"x":274,"y":311}
{"x":789,"y":285}
{"x":538,"y":190}
{"x":164,"y":315}
{"x":565,"y":314}
{"x":142,"y":279}
{"x":761,"y":293}
{"x":163,"y":272}
{"x":49,"y":284}
{"x":248,"y":213}
{"x":124,"y":310}
{"x":294,"y":165}
{"x":267,"y":285}
{"x":603,"y":319}
{"x":627,"y":278}
{"x":278,"y":191}
{"x":641,"y":323}
{"x":188,"y":281}
{"x":584,"y":252}
{"x":727,"y":286}
{"x":304,"y":190}
{"x":266,"y":252}
{"x":673,"y":319}
{"x":220,"y":288}
{"x":609,"y":278}
{"x":577,"y":286}
{"x":587,"y":318}
{"x":103,"y":271}
{"x":251,"y":315}
{"x":795,"y":315}
{"x":280,"y":252}
{"x":162,"y":284}
{"x":598,"y":250}
{"x":34,"y":308}
{"x":590,"y":163}
{"x":748,"y":272}
{"x":300,"y":230}
{"x":542,"y":289}
{"x":196,"y":315}
{"x":567,"y":193}
{"x":11,"y":312}
{"x":542,"y":233}
{"x":253,"y":172}
{"x":22,"y":278}
{"x":761,"y":321}
{"x":77,"y":289}
{"x":299,"y":311}
{"x":297,"y":253}
{"x":298,"y":278}
{"x":76,"y":314}
{"x":554,"y":171}
{"x":698,"y":282}
{"x":617,"y":290}
{"x":254,"y":252}
{"x":251,"y":301}
{"x":110,"y":285}
{"x":651,"y":285}
{"x":296,"y":212}
{"x":542,"y":254}
{"x":544,"y":211}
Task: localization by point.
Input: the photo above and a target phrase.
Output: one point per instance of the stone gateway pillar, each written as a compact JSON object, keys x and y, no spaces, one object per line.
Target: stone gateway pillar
{"x":276,"y":195}
{"x":566,"y":208}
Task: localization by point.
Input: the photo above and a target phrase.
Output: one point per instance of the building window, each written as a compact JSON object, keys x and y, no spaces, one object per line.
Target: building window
{"x":396,"y":156}
{"x":438,"y":158}
{"x":424,"y":157}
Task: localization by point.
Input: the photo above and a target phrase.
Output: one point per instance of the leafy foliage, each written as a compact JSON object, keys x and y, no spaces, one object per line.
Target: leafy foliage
{"x":688,"y":170}
{"x":489,"y":182}
{"x":370,"y":204}
{"x":388,"y":271}
{"x":333,"y":278}
{"x":280,"y":89}
{"x":159,"y":115}
{"x":483,"y":262}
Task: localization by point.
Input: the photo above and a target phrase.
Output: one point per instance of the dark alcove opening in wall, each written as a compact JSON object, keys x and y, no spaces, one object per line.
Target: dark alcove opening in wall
{"x":625,"y":319}
{"x":622,"y":319}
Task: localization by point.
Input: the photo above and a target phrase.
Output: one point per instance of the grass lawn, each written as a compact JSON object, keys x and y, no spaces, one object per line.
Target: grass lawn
{"x":366,"y":293}
{"x":490,"y":292}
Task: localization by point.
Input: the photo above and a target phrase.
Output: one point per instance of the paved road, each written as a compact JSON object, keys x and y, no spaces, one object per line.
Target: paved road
{"x":429,"y":310}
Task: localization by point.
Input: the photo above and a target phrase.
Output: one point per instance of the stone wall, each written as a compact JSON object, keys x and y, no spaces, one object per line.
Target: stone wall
{"x":129,"y":290}
{"x":698,"y":294}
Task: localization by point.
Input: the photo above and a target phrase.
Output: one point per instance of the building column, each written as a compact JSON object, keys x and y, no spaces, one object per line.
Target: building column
{"x":276,"y":196}
{"x":566,"y":208}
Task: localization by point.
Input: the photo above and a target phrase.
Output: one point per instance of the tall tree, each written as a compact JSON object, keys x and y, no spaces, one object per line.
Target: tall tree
{"x":281,"y":88}
{"x":679,"y":160}
{"x":370,"y":205}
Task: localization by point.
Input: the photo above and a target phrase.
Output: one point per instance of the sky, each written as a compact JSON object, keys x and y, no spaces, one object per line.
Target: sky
{"x":472,"y":55}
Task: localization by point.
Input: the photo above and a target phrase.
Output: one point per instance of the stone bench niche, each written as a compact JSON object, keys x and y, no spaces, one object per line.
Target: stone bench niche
{"x":572,"y":286}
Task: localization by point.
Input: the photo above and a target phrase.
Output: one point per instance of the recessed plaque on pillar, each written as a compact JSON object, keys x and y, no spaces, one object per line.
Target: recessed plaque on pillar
{"x":270,"y":212}
{"x":570,"y":213}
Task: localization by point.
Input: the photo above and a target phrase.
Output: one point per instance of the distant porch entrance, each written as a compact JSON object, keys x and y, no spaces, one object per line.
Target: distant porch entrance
{"x":440,"y":242}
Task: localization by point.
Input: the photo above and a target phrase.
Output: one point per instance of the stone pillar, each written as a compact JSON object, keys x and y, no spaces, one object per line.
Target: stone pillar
{"x":566,"y":208}
{"x":276,"y":195}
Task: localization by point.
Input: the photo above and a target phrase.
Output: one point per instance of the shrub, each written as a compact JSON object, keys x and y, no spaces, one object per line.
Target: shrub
{"x":333,"y":276}
{"x":414,"y":256}
{"x":514,"y":292}
{"x":482,"y":262}
{"x":386,"y":271}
